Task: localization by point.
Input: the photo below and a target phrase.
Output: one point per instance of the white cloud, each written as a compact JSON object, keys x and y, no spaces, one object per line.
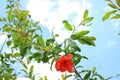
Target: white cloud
{"x":23,"y":78}
{"x":111,"y":43}
{"x":51,"y":13}
{"x":86,"y":4}
{"x":115,"y":24}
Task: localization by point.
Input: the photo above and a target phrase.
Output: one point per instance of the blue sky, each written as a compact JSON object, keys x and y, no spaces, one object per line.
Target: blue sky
{"x":105,"y":56}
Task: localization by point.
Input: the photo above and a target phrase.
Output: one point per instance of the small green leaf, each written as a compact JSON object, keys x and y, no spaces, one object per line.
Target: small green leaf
{"x":74,"y":45}
{"x":33,"y":78}
{"x":10,"y":15}
{"x":89,"y":19}
{"x":94,"y":69}
{"x":112,"y":6}
{"x":79,"y":34}
{"x":87,"y":40}
{"x":57,"y":49}
{"x":117,"y":16}
{"x":76,"y":58}
{"x":86,"y":77}
{"x":45,"y":58}
{"x":15,"y":55}
{"x":67,"y":76}
{"x":31,"y":71}
{"x":67,"y":25}
{"x":40,"y":40}
{"x":108,"y":0}
{"x":92,"y":38}
{"x":24,"y":49}
{"x":118,"y":2}
{"x":56,"y":35}
{"x":52,"y":64}
{"x":108,"y":14}
{"x":98,"y":75}
{"x":79,"y":67}
{"x":86,"y":14}
{"x":45,"y":78}
{"x":84,"y":57}
{"x":50,"y":41}
{"x":9,"y":43}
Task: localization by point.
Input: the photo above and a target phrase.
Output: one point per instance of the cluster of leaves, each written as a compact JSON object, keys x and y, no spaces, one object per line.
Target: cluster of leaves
{"x":6,"y":71}
{"x":115,"y":10}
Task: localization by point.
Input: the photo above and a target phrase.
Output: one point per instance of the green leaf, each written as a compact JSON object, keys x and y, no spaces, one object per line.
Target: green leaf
{"x":56,"y":35}
{"x":52,"y":64}
{"x":86,"y":14}
{"x":91,"y":37}
{"x":15,"y":55}
{"x":86,"y":77}
{"x":79,"y":34}
{"x":50,"y":41}
{"x":67,"y":76}
{"x":118,"y":2}
{"x":68,"y":48}
{"x":36,"y":56}
{"x":33,"y":78}
{"x":109,"y":78}
{"x":24,"y":50}
{"x":87,"y":40}
{"x":45,"y":58}
{"x":9,"y":43}
{"x":79,"y":67}
{"x":76,"y":58}
{"x":108,"y":0}
{"x":10,"y":15}
{"x":108,"y":14}
{"x":31,"y":71}
{"x":94,"y":69}
{"x":3,"y":19}
{"x":98,"y":75}
{"x":74,"y":45}
{"x":84,"y":57}
{"x":112,"y":6}
{"x":67,"y":25}
{"x":40,"y":40}
{"x":117,"y":16}
{"x":45,"y":78}
{"x":87,"y":21}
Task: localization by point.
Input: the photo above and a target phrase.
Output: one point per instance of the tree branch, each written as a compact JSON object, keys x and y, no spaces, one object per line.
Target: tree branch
{"x":3,"y":45}
{"x":78,"y":74}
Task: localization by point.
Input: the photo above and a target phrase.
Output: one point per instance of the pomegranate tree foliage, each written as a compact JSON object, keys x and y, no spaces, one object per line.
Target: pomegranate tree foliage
{"x":25,"y":40}
{"x":114,"y":13}
{"x":115,"y":8}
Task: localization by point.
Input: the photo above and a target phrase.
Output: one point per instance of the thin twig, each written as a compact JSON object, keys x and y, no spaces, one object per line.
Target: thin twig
{"x":77,"y":27}
{"x":78,"y":74}
{"x":3,"y":45}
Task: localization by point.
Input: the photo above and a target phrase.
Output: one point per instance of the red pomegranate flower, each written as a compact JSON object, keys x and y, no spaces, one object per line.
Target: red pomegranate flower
{"x":65,"y":64}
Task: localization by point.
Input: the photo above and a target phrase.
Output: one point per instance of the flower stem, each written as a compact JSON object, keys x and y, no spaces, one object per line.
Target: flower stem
{"x":78,"y":74}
